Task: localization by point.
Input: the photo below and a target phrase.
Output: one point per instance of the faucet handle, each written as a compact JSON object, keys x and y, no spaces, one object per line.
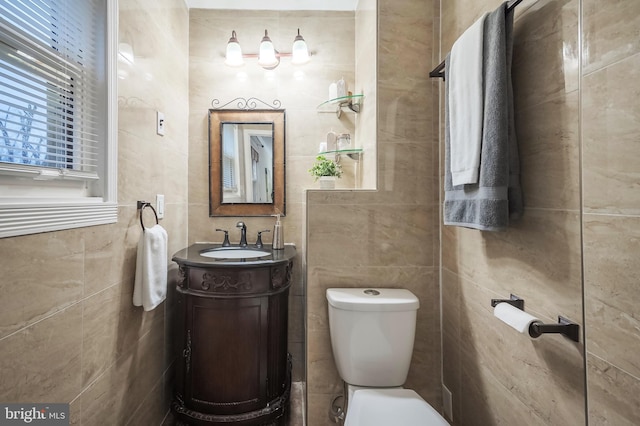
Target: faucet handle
{"x":226,"y":242}
{"x":259,"y":239}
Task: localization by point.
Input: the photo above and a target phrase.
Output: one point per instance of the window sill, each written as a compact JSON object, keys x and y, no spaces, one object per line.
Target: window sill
{"x":34,"y":217}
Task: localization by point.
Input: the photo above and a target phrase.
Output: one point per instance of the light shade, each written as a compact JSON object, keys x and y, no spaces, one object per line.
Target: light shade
{"x":267,"y":57}
{"x":300,"y":52}
{"x":233,"y":57}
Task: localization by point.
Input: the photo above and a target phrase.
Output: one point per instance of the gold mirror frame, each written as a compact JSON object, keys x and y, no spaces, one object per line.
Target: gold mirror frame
{"x":276,"y":117}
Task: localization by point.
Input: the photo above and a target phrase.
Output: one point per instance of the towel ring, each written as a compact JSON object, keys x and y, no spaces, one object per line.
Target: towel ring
{"x":141,"y":207}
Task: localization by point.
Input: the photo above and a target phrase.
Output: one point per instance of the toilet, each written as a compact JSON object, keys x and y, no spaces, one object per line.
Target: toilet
{"x":372,"y":333}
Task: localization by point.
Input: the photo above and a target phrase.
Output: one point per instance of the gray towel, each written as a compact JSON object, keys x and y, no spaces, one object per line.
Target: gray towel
{"x":488,"y":204}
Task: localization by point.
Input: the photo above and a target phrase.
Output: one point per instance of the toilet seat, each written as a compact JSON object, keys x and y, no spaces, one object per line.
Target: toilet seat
{"x":384,"y":407}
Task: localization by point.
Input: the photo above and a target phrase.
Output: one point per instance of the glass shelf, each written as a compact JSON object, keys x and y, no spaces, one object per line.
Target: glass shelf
{"x":353,"y":153}
{"x":352,"y":102}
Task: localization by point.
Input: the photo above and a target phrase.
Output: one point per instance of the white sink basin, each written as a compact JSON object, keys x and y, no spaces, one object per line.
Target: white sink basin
{"x":234,"y":253}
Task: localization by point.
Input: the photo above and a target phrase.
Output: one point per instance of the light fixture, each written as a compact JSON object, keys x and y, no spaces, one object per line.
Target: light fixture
{"x":268,"y":56}
{"x":299,"y":52}
{"x":234,"y":52}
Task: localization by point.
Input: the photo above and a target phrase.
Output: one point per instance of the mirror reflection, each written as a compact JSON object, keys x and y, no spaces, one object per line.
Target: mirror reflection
{"x":246,"y":164}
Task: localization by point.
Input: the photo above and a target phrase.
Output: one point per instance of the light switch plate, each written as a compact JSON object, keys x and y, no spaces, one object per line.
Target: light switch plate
{"x":160,"y":205}
{"x":160,"y":124}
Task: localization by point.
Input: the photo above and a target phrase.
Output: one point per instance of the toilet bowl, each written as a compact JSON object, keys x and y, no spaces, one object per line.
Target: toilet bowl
{"x":372,"y":335}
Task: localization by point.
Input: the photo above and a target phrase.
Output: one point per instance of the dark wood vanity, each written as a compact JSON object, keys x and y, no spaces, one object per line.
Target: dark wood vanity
{"x":231,"y":337}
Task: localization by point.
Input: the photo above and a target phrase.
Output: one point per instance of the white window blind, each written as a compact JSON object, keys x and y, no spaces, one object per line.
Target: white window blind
{"x":51,"y":97}
{"x":230,"y":157}
{"x":56,"y":111}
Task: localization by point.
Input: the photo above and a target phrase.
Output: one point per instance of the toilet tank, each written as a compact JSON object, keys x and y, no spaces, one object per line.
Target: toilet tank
{"x":372,"y":334}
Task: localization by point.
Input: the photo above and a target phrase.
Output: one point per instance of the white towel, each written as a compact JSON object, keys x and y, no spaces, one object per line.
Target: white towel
{"x":150,"y":288}
{"x":466,"y":100}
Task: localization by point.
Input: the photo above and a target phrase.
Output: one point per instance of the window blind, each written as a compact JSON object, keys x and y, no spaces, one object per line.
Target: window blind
{"x":229,"y":160}
{"x":52,"y":86}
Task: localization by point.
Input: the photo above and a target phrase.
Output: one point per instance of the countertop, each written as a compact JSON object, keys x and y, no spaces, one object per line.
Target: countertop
{"x":190,"y":256}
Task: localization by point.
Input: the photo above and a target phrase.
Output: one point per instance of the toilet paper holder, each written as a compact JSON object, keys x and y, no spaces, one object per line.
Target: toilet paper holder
{"x":513,"y":300}
{"x":564,"y":326}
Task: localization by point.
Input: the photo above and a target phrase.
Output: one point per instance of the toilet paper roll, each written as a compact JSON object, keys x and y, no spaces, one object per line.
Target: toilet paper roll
{"x":516,"y":318}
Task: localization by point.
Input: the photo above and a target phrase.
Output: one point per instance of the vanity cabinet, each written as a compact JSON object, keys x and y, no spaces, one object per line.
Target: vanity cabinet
{"x":231,"y":336}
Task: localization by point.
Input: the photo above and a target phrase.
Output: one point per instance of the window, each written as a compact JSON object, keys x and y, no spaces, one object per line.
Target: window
{"x":57,"y":115}
{"x":231,"y":163}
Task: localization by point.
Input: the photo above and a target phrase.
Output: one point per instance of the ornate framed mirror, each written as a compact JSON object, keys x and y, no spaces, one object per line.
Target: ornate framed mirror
{"x":246,"y":162}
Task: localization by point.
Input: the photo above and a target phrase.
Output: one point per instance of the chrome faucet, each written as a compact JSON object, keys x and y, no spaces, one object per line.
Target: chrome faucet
{"x":243,"y":233}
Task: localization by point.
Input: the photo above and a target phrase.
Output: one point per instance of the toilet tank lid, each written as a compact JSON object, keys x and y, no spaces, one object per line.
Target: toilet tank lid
{"x":372,"y":299}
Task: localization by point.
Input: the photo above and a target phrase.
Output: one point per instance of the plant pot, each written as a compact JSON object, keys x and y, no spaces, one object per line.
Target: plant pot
{"x":327,"y":182}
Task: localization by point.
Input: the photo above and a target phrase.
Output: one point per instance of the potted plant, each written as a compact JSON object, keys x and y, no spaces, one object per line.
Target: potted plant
{"x":326,"y":171}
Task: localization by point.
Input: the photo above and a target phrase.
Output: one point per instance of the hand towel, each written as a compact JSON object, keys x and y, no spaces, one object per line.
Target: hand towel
{"x":496,"y":197}
{"x":466,"y":103}
{"x":150,"y":287}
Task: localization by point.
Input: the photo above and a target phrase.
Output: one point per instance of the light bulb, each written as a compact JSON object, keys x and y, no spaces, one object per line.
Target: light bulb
{"x":267,"y":57}
{"x":299,"y":52}
{"x":233,"y":58}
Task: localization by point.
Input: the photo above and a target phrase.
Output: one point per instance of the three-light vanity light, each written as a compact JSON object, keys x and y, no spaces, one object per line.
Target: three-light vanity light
{"x":268,"y":56}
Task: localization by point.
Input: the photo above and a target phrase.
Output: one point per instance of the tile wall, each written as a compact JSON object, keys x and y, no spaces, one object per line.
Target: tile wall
{"x":387,"y":237}
{"x":576,"y":119}
{"x":497,"y":375}
{"x":611,"y":206}
{"x":68,"y":330}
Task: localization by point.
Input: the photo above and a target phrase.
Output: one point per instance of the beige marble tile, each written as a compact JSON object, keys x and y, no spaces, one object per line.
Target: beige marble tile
{"x":403,"y":32}
{"x":404,"y":171}
{"x":545,"y":37}
{"x":110,"y":251}
{"x":175,"y":218}
{"x":484,"y":401}
{"x":548,"y":144}
{"x":610,"y":150}
{"x":613,"y":394}
{"x":41,"y":363}
{"x":538,"y":259}
{"x":546,"y":374}
{"x":405,"y":117}
{"x":75,"y":412}
{"x":42,"y":274}
{"x":611,"y":249}
{"x":322,"y":375}
{"x":610,"y":32}
{"x":100,"y":333}
{"x":456,"y":17}
{"x":318,"y":405}
{"x":112,"y":326}
{"x":152,"y":408}
{"x":388,"y":229}
{"x":119,"y":391}
{"x":425,"y":370}
{"x":450,"y":301}
{"x":138,"y":166}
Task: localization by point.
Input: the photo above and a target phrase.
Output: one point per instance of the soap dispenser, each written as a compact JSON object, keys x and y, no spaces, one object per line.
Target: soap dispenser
{"x":278,"y":235}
